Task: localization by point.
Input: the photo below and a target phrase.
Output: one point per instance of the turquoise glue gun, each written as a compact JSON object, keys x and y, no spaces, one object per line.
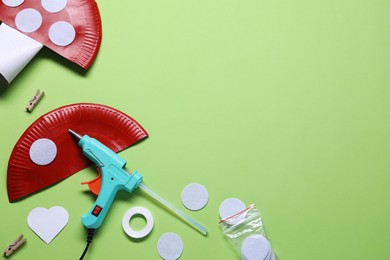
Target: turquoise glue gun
{"x":115,"y":178}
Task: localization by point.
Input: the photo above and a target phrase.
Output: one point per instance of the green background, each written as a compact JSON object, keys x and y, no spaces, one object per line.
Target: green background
{"x":280,"y":103}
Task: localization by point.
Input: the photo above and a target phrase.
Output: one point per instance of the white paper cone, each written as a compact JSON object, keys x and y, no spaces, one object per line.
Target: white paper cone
{"x":16,"y":51}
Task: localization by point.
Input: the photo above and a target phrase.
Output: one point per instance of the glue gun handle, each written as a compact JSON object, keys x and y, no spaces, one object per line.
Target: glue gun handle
{"x":113,"y":180}
{"x":94,"y":218}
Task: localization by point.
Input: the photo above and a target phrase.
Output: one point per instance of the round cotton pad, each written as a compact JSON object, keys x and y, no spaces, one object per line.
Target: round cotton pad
{"x":43,"y":151}
{"x":256,"y":247}
{"x":170,"y":246}
{"x":231,"y":207}
{"x":194,"y":196}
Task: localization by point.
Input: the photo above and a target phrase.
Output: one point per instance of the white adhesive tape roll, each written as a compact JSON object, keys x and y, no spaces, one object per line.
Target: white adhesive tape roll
{"x":137,"y":211}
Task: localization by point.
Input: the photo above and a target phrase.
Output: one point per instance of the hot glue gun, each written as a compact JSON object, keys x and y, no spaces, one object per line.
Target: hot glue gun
{"x":115,"y":178}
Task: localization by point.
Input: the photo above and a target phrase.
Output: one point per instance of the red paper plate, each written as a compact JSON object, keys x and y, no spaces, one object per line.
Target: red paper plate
{"x":113,"y":128}
{"x":82,"y":15}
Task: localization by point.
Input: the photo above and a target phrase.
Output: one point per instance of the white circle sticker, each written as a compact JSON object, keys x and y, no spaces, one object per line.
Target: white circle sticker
{"x":256,"y":247}
{"x":231,"y":207}
{"x":194,"y":196}
{"x":43,"y":151}
{"x":28,"y":20}
{"x":54,"y":6}
{"x":62,"y":33}
{"x":13,"y":3}
{"x":170,"y":246}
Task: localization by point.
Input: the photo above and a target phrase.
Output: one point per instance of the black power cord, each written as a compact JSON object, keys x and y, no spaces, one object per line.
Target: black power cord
{"x":91,"y":233}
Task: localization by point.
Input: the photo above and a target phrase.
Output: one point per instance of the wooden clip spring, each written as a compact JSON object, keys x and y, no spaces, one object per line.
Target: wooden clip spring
{"x":14,"y":245}
{"x":34,"y":100}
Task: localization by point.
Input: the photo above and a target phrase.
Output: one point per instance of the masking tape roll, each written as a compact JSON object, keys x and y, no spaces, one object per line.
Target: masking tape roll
{"x":137,"y":211}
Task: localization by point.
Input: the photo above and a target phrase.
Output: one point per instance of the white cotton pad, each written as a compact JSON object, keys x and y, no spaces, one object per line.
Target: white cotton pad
{"x":231,"y":207}
{"x":13,"y":3}
{"x":43,"y":151}
{"x":28,"y":20}
{"x":194,"y":196}
{"x":256,"y":247}
{"x":62,"y":33}
{"x":170,"y":246}
{"x":54,"y":6}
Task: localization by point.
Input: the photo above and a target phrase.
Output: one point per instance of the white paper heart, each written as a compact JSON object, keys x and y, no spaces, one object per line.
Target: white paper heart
{"x":47,"y":223}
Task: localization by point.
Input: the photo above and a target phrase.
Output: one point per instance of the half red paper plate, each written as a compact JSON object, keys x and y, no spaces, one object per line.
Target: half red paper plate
{"x":113,"y":128}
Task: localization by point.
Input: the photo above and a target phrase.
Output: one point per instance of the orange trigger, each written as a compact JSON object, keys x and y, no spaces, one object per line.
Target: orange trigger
{"x":94,"y":185}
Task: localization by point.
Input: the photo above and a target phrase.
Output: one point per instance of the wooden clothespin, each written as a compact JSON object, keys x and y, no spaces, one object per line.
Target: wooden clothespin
{"x":14,"y":245}
{"x":34,"y":100}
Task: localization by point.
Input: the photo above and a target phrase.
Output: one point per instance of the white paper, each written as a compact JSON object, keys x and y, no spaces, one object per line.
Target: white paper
{"x":47,"y":223}
{"x":16,"y":51}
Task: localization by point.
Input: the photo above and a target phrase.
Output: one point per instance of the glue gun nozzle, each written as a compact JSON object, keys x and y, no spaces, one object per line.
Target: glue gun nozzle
{"x":75,"y":135}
